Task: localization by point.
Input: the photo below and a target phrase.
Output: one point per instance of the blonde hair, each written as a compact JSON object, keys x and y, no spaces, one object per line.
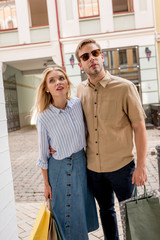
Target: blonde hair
{"x":43,"y":98}
{"x":83,"y":43}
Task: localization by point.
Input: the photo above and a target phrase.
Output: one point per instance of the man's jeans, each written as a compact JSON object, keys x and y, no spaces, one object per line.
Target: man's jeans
{"x":103,"y":186}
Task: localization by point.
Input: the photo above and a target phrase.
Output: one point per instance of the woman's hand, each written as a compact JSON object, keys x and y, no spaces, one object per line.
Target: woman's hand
{"x":47,"y":192}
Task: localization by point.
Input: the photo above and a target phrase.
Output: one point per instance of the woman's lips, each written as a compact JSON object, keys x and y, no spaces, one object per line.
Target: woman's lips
{"x":59,"y":88}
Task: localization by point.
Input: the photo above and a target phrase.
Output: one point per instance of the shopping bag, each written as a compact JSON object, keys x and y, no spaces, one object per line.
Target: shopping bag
{"x":53,"y":231}
{"x":142,"y":216}
{"x":41,"y":225}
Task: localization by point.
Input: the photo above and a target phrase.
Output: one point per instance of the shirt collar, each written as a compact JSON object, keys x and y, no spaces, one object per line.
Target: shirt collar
{"x":107,"y":78}
{"x":57,"y":110}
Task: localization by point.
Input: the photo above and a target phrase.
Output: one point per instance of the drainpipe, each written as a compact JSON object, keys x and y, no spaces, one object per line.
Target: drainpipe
{"x":60,"y":45}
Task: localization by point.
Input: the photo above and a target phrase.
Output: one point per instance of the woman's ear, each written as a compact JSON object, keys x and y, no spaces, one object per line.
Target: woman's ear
{"x":46,"y":90}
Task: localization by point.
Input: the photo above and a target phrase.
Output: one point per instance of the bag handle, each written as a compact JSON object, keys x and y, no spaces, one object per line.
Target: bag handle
{"x":135,"y":194}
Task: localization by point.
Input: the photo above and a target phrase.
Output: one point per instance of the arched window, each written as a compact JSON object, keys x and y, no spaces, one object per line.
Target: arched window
{"x":8,"y":18}
{"x":88,"y":8}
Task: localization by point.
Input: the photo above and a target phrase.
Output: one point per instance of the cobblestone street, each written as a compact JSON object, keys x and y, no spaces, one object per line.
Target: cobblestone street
{"x":28,"y":182}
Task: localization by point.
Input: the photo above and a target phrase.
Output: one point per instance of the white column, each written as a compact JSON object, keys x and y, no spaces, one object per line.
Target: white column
{"x":56,"y":55}
{"x":106,"y":16}
{"x":22,"y":10}
{"x":52,"y":20}
{"x":8,"y":223}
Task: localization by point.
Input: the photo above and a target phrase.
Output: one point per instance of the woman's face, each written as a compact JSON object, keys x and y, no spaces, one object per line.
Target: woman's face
{"x":57,"y":84}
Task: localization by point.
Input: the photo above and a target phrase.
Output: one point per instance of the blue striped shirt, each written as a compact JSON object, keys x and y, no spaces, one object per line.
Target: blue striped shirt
{"x":64,"y":130}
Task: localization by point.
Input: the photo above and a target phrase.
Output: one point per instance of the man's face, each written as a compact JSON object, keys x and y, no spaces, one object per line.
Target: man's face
{"x":92,"y":61}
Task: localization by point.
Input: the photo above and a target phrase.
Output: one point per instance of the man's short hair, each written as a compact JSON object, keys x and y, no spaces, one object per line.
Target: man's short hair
{"x":83,"y":43}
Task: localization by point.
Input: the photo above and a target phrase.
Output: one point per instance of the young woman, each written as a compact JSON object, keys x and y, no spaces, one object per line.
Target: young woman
{"x":60,"y":124}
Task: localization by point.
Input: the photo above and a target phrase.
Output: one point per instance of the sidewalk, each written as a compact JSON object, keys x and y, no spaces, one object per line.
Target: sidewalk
{"x":28,"y":182}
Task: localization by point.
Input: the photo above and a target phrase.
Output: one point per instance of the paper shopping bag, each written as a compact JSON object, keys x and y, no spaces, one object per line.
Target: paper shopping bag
{"x":143,"y":219}
{"x":53,"y":231}
{"x":140,"y":216}
{"x":41,"y":225}
{"x":124,"y":217}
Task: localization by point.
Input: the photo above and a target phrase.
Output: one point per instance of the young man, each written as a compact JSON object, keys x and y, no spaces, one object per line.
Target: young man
{"x":113,"y":111}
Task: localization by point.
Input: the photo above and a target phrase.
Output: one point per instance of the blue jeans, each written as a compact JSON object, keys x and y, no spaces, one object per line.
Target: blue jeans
{"x":103,"y":186}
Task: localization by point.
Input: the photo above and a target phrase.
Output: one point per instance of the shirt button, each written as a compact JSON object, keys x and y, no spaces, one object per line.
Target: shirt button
{"x":67,"y":215}
{"x":95,"y":116}
{"x":95,"y":90}
{"x":68,"y":205}
{"x":96,"y":142}
{"x":68,"y":195}
{"x":96,"y":129}
{"x":68,"y":185}
{"x":67,"y":226}
{"x":95,"y":103}
{"x":97,"y":154}
{"x":68,"y":174}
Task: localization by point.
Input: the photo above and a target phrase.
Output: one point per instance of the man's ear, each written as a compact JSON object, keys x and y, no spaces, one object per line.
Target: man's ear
{"x":80,"y":65}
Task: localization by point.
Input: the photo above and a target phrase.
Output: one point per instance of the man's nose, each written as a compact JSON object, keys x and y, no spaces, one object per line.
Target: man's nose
{"x":91,"y":57}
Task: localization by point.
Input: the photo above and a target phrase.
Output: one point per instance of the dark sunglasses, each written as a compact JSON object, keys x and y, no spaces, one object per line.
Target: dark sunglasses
{"x":94,"y":53}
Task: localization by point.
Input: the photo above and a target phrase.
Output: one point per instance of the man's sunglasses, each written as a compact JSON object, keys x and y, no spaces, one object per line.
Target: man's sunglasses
{"x":94,"y":53}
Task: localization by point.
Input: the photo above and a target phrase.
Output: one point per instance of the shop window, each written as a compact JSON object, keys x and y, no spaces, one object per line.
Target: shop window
{"x":88,"y":8}
{"x":38,"y":13}
{"x":123,"y":57}
{"x":122,"y":6}
{"x":123,"y":62}
{"x":8,"y":17}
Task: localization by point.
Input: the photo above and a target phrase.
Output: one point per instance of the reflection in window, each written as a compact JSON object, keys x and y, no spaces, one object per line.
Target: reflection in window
{"x":88,"y":8}
{"x":38,"y":13}
{"x":134,"y":56}
{"x":122,"y":6}
{"x":8,"y":18}
{"x":122,"y":57}
{"x":123,"y":62}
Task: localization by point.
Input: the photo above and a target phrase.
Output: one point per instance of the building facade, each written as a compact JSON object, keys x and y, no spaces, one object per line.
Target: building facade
{"x":35,"y":34}
{"x":157,"y":25}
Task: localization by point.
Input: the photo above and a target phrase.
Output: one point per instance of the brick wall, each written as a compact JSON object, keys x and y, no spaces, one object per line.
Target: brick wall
{"x":8,"y":223}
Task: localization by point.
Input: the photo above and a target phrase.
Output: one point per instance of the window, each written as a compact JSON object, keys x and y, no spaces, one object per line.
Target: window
{"x":122,"y":57}
{"x":88,"y":8}
{"x":38,"y":13}
{"x":123,"y":62}
{"x":8,"y":18}
{"x":122,"y":6}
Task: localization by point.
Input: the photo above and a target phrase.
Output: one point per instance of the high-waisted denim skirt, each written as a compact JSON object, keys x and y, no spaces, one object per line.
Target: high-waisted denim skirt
{"x":72,"y":203}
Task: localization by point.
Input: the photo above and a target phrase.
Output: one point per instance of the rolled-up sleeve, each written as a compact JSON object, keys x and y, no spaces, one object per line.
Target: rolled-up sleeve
{"x":132,"y":104}
{"x":43,"y":143}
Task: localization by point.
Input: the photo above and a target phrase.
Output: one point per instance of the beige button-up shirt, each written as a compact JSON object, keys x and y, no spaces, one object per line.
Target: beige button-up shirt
{"x":110,"y":108}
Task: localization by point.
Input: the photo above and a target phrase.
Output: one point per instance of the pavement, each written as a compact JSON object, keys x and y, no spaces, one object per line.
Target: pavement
{"x":28,"y":182}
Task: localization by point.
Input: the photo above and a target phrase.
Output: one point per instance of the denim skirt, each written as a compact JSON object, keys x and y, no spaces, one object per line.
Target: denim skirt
{"x":72,"y":203}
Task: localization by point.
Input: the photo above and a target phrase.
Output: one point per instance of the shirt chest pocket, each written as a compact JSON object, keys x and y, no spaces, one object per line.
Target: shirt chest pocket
{"x":108,"y":110}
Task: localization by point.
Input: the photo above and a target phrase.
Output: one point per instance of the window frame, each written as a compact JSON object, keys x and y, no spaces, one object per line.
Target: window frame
{"x":9,"y":29}
{"x":125,"y":12}
{"x":30,"y":17}
{"x":87,"y":17}
{"x":137,"y":65}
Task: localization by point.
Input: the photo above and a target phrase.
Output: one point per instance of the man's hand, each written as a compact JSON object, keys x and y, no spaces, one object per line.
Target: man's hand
{"x":139,"y":176}
{"x":51,"y":150}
